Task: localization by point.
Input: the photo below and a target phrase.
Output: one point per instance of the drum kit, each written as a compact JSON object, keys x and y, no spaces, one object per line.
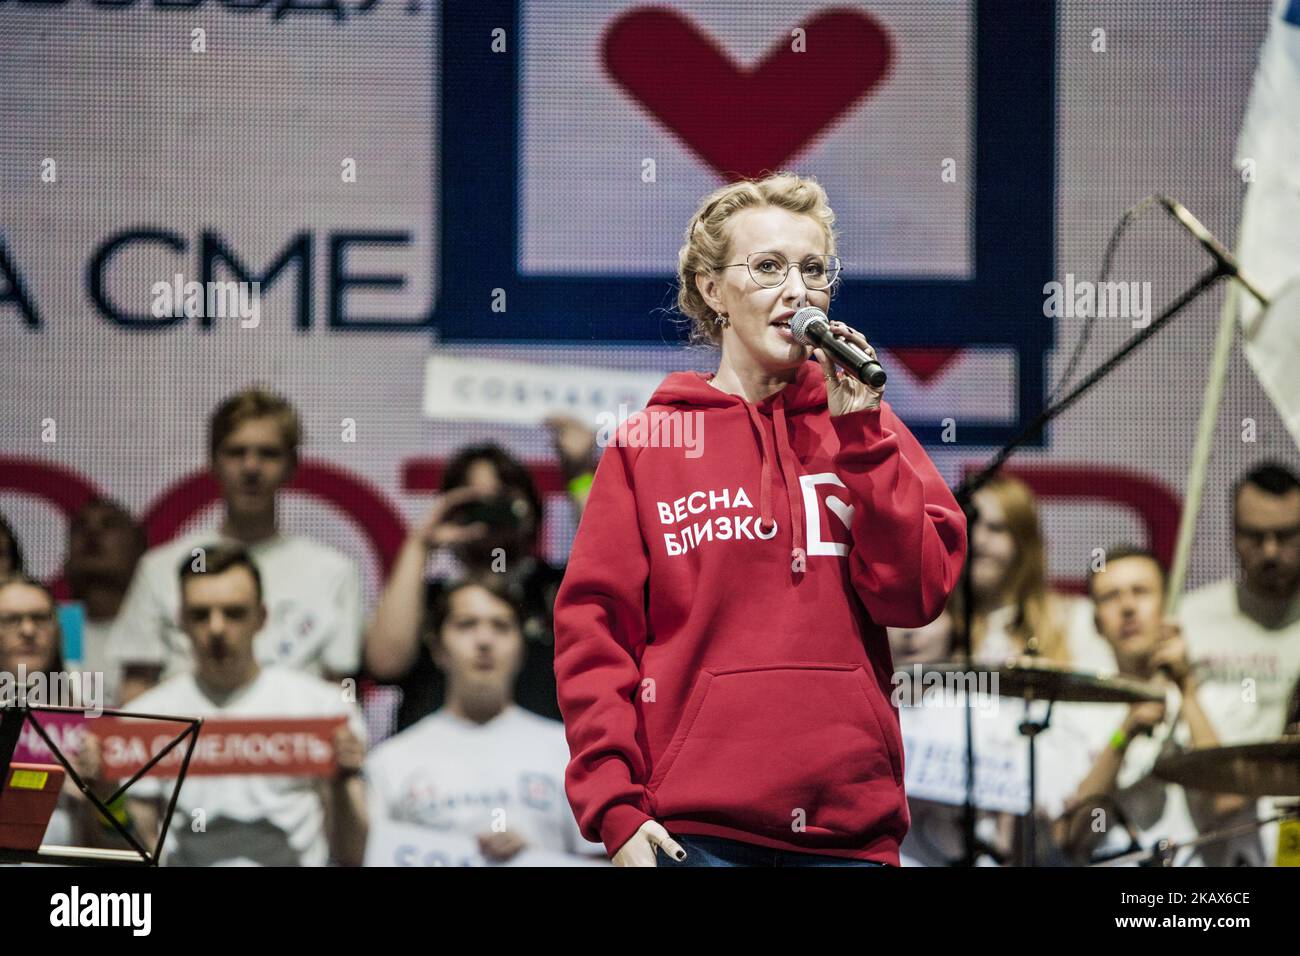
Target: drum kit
{"x":1265,"y":769}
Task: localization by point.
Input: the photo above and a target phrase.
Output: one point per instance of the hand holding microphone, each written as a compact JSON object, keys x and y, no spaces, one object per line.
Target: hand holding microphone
{"x":862,"y":383}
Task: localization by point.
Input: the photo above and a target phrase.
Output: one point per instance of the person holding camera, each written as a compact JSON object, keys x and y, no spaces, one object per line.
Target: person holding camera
{"x":486,"y":523}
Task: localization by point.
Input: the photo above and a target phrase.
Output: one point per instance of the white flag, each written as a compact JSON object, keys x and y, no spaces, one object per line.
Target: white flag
{"x":1268,"y":153}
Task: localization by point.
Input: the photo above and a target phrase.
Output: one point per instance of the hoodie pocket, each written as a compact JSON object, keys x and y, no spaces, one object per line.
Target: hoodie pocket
{"x":782,"y":749}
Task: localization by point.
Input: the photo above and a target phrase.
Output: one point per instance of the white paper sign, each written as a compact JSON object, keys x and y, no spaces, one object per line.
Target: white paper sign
{"x":934,"y":745}
{"x":524,"y":393}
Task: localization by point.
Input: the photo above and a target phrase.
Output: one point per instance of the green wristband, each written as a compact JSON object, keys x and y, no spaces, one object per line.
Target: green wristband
{"x":581,"y":484}
{"x":1119,"y":740}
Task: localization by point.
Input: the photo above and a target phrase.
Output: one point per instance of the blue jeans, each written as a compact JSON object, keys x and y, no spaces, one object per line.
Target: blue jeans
{"x":715,"y":851}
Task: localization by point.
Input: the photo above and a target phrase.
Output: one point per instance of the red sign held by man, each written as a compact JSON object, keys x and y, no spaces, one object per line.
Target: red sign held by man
{"x":299,"y":747}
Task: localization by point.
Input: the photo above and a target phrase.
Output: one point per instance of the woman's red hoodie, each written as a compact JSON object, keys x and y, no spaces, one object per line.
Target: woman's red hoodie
{"x":731,"y":678}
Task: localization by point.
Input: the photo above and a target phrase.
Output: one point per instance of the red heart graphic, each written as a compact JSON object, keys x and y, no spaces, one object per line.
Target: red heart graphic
{"x":924,"y":363}
{"x":745,"y":123}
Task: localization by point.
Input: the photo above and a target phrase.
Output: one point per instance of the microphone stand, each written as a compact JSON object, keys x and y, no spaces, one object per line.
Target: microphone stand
{"x":1163,"y":851}
{"x":965,"y":492}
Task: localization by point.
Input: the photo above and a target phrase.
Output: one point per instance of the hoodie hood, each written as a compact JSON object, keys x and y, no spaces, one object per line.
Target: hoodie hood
{"x":807,"y":393}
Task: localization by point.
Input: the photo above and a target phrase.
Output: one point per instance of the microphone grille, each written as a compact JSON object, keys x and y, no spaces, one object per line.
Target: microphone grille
{"x":800,"y":321}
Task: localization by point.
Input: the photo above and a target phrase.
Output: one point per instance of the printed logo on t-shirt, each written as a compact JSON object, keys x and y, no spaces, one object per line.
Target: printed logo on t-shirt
{"x":298,"y":631}
{"x":537,"y":790}
{"x":1232,"y":668}
{"x":425,"y":804}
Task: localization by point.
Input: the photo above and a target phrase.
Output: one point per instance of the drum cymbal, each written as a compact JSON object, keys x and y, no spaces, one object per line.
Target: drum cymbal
{"x":1037,"y":679}
{"x":1268,"y":769}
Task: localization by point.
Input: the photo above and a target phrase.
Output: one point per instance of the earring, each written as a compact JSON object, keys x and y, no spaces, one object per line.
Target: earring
{"x":721,"y":319}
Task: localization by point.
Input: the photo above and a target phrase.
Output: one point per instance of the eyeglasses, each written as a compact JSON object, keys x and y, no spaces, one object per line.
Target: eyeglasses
{"x":770,"y":269}
{"x":1285,"y":537}
{"x":39,"y":619}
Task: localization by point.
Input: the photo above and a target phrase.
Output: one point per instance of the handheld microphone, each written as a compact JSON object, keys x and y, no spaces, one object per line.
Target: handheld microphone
{"x":811,"y":327}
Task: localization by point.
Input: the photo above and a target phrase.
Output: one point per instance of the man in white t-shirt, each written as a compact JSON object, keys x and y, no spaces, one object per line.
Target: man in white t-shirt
{"x":251,"y":819}
{"x":1120,"y":804}
{"x":313,"y":592}
{"x":1244,"y":638}
{"x":481,"y":777}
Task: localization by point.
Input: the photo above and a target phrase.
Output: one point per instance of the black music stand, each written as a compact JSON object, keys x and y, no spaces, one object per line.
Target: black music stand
{"x":12,"y":719}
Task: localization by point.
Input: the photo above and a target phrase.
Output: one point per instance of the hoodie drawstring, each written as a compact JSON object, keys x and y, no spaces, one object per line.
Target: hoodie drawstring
{"x":765,"y":516}
{"x":792,"y":487}
{"x":785,"y":460}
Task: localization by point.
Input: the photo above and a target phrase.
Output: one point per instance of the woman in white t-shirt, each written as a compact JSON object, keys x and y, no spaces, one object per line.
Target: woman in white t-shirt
{"x":479,"y":781}
{"x":1015,"y":611}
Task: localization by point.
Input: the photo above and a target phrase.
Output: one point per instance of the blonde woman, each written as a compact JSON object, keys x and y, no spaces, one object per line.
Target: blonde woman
{"x":1015,"y":611}
{"x":721,"y":660}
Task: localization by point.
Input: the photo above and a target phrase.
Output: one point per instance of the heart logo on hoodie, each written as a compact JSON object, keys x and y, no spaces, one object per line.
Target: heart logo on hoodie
{"x":841,"y":509}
